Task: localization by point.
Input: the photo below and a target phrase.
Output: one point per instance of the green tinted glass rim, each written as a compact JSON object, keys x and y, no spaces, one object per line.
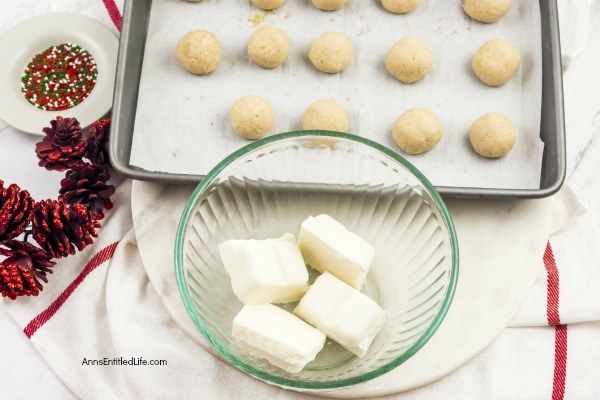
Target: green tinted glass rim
{"x":221,"y":349}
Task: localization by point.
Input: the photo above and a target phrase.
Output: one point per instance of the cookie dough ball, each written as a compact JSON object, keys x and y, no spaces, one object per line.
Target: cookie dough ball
{"x":493,"y":135}
{"x":400,"y":6}
{"x":268,"y":4}
{"x":331,"y":52}
{"x":252,"y":117}
{"x":269,"y":47}
{"x":418,"y":130}
{"x":326,"y":115}
{"x":487,"y":11}
{"x":329,"y":5}
{"x":496,"y":62}
{"x":199,"y":52}
{"x":409,"y":60}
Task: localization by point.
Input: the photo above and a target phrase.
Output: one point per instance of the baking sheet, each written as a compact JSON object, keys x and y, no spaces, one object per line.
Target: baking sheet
{"x":182,"y":123}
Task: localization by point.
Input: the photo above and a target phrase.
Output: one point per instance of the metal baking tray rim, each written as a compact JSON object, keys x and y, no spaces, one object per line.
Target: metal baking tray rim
{"x":552,"y":126}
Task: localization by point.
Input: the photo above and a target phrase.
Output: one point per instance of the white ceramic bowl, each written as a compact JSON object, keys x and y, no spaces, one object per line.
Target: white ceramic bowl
{"x":37,"y":34}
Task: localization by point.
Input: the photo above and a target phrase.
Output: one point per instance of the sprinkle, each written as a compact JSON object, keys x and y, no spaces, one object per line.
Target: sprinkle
{"x":59,"y":78}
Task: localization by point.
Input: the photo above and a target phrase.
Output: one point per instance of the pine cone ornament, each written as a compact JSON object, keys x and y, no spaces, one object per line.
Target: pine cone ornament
{"x":97,"y":142}
{"x":63,"y":147}
{"x":22,"y":270}
{"x":16,"y":206}
{"x":59,"y":228}
{"x":86,"y":185}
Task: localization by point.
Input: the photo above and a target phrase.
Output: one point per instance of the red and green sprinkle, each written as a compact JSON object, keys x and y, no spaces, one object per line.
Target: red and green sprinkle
{"x":59,"y":78}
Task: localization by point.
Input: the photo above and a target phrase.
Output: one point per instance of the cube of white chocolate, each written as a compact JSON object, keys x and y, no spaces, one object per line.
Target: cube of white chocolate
{"x":342,"y":312}
{"x":327,"y":245}
{"x":265,"y":271}
{"x":278,"y":336}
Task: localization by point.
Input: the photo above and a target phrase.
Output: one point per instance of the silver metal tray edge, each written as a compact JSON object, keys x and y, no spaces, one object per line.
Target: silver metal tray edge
{"x":552,"y":126}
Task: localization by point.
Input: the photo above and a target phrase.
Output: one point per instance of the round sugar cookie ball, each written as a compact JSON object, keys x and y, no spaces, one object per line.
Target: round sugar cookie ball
{"x":251,"y":117}
{"x":488,"y":11}
{"x":326,"y":115}
{"x":400,"y":6}
{"x":329,"y":5}
{"x":493,"y":135}
{"x":409,"y":60}
{"x":269,"y":47}
{"x":199,"y":52}
{"x":268,"y":4}
{"x":417,"y":131}
{"x":496,"y":62}
{"x":331,"y":52}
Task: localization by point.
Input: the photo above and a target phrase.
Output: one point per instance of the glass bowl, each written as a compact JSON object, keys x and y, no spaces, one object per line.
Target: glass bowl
{"x":267,"y":189}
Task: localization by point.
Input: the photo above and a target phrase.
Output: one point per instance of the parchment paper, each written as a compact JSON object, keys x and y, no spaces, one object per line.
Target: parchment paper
{"x":182,"y":122}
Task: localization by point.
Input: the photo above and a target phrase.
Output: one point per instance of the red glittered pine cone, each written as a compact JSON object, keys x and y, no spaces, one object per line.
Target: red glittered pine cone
{"x":86,"y":184}
{"x":16,"y":208}
{"x":60,"y":228}
{"x":22,"y":269}
{"x":97,"y":142}
{"x":63,"y":147}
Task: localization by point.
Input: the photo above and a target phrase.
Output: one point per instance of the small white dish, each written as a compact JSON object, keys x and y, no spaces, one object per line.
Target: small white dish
{"x":21,"y":43}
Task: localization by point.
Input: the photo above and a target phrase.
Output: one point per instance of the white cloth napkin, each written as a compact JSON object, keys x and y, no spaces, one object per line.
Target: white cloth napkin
{"x":574,"y":24}
{"x":100,"y":303}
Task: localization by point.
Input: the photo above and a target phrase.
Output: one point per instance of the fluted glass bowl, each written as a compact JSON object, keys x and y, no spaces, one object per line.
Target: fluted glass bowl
{"x":267,"y":189}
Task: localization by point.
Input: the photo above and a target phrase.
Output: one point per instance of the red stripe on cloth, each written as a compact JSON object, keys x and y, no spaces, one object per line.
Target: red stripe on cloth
{"x":560,"y":362}
{"x":560,"y":331}
{"x":553,"y":287}
{"x":98,"y":259}
{"x":114,"y":13}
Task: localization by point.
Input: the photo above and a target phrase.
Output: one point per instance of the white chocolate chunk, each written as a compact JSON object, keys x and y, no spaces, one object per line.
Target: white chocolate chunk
{"x":281,"y":338}
{"x":265,"y":271}
{"x":342,"y":312}
{"x":328,"y":246}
